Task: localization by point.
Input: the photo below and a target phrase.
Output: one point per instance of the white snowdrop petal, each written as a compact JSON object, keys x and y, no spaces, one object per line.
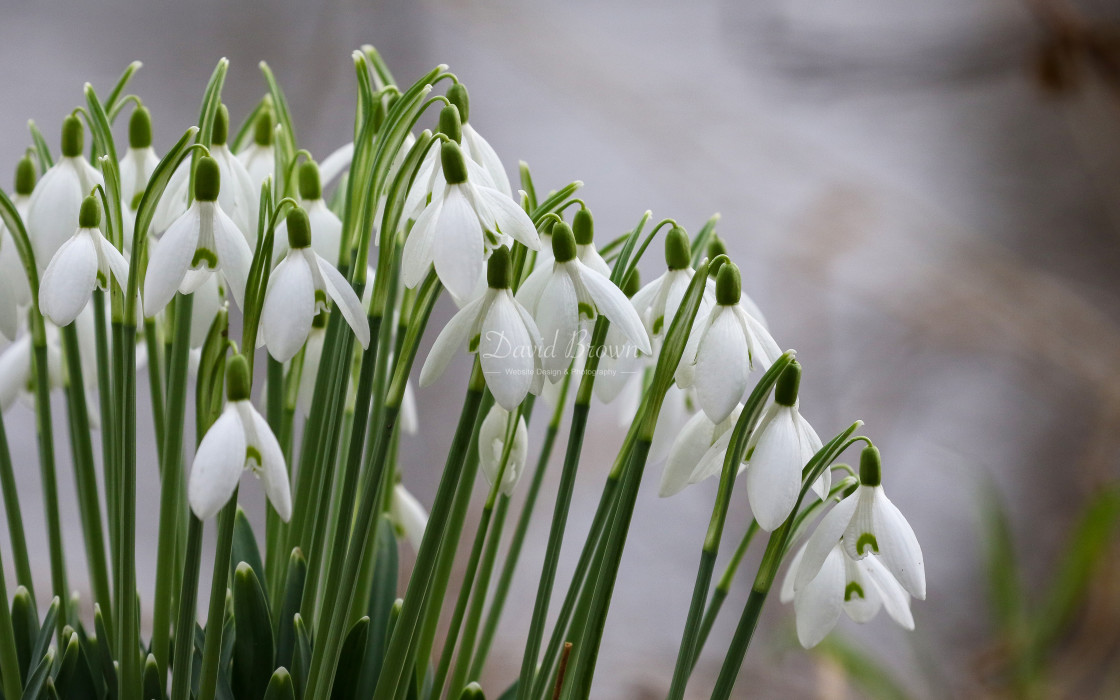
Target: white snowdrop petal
{"x":273,"y":470}
{"x":334,"y":164}
{"x":217,"y":465}
{"x":506,"y":352}
{"x":207,"y":302}
{"x":409,"y":421}
{"x":52,"y":214}
{"x":289,"y":308}
{"x":326,"y":230}
{"x":460,"y":250}
{"x":529,"y":293}
{"x":613,"y":303}
{"x":557,"y":316}
{"x":711,"y":464}
{"x":786,"y":592}
{"x":692,"y":443}
{"x":895,"y":599}
{"x":861,"y":597}
{"x":410,"y":517}
{"x":510,"y":218}
{"x":419,"y":247}
{"x":69,"y":279}
{"x":417,"y":197}
{"x":774,"y":473}
{"x":170,"y":259}
{"x":860,"y":537}
{"x":15,"y":369}
{"x":824,"y":539}
{"x":818,"y":603}
{"x":722,"y":367}
{"x":234,"y":256}
{"x":9,"y":314}
{"x":480,"y":150}
{"x":898,"y":546}
{"x":763,"y":348}
{"x":346,"y":300}
{"x":451,"y":340}
{"x":117,"y":264}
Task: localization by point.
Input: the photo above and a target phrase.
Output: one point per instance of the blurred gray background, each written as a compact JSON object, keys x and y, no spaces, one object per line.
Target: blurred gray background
{"x":933,"y":229}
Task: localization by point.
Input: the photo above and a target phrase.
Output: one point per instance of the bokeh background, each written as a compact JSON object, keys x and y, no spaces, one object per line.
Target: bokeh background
{"x":924,"y":199}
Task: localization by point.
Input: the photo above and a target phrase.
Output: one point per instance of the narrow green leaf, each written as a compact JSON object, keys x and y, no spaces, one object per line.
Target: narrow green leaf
{"x":347,"y":674}
{"x":116,"y":95}
{"x":105,"y":653}
{"x":700,"y":241}
{"x":151,"y":685}
{"x":862,"y":669}
{"x":383,"y":595}
{"x":280,"y":687}
{"x":39,"y":677}
{"x":280,"y":106}
{"x":46,"y":632}
{"x":25,"y":624}
{"x":1005,"y":590}
{"x":245,"y":545}
{"x":286,"y":638}
{"x":301,"y":663}
{"x":42,"y":150}
{"x":253,"y":649}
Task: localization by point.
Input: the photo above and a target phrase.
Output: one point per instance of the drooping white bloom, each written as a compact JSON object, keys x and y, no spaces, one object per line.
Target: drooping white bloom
{"x":240,"y":439}
{"x":583,"y":228}
{"x":52,"y":213}
{"x":299,"y":288}
{"x":701,"y":444}
{"x":477,"y":148}
{"x":81,"y":265}
{"x":560,"y":295}
{"x":501,"y":330}
{"x":459,"y":226}
{"x":326,"y":227}
{"x":866,"y":523}
{"x":138,"y":163}
{"x":492,"y":443}
{"x":429,"y":177}
{"x":659,"y":301}
{"x":259,"y":157}
{"x":201,"y":242}
{"x":718,"y":361}
{"x":409,"y":518}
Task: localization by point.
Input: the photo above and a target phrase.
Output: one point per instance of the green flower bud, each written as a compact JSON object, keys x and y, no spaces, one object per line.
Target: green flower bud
{"x":633,"y":283}
{"x":785,"y":390}
{"x":472,"y":692}
{"x":73,"y":137}
{"x":499,"y":269}
{"x":870,"y":466}
{"x":90,"y":214}
{"x":238,"y":382}
{"x":25,"y":176}
{"x":310,"y":187}
{"x":219,"y":134}
{"x":457,"y":95}
{"x":454,"y":166}
{"x":262,"y":127}
{"x":563,"y":242}
{"x":140,"y":128}
{"x":207,"y":180}
{"x":583,"y":226}
{"x":299,"y":229}
{"x":678,"y":254}
{"x":729,"y":288}
{"x":449,"y":123}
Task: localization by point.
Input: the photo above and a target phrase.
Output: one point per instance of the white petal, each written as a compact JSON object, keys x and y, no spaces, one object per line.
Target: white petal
{"x":15,"y":370}
{"x":345,"y":299}
{"x":506,"y":350}
{"x":861,"y":597}
{"x":170,"y":259}
{"x":419,"y":247}
{"x":774,"y":474}
{"x":69,"y":280}
{"x":338,"y":161}
{"x":408,"y":515}
{"x":480,"y":150}
{"x":408,"y":421}
{"x":234,"y":256}
{"x":117,"y":264}
{"x":763,"y":348}
{"x":326,"y":230}
{"x":824,"y":539}
{"x":590,"y":257}
{"x":898,"y":547}
{"x":786,"y":593}
{"x":612,"y":303}
{"x":491,"y":445}
{"x":711,"y":464}
{"x":207,"y":302}
{"x":312,"y":354}
{"x":52,"y":215}
{"x":273,"y":470}
{"x":289,"y":307}
{"x":510,"y":218}
{"x":459,"y":250}
{"x":217,"y":465}
{"x":895,"y":598}
{"x":722,"y":367}
{"x":557,"y":317}
{"x":452,"y":339}
{"x":818,"y":603}
{"x":529,"y":293}
{"x":693,"y":442}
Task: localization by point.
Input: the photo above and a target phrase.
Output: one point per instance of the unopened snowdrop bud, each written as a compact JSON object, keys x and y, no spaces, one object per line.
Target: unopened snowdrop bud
{"x":718,"y":361}
{"x":259,"y":157}
{"x":409,"y":518}
{"x":473,"y":692}
{"x":240,"y":439}
{"x":25,"y":177}
{"x":299,"y":289}
{"x":52,"y":213}
{"x":139,"y":161}
{"x":583,"y":228}
{"x":475,"y":147}
{"x":492,"y":444}
{"x":81,"y":265}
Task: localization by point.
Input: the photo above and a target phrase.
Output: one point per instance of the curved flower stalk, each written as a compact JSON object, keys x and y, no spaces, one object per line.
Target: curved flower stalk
{"x":409,"y":518}
{"x":326,"y":227}
{"x":240,"y":439}
{"x":461,"y":224}
{"x":477,"y":148}
{"x":492,"y":443}
{"x":15,"y":291}
{"x":81,"y":265}
{"x":299,"y":289}
{"x":201,"y":242}
{"x":560,"y":296}
{"x":259,"y":157}
{"x":52,"y":213}
{"x":501,"y":331}
{"x":719,"y":360}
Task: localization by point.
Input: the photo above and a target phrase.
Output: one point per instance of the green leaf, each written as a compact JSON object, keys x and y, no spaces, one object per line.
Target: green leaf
{"x":245,"y":545}
{"x":238,"y":141}
{"x":103,"y":143}
{"x":700,"y":242}
{"x":113,"y":102}
{"x":347,"y":673}
{"x":105,"y":652}
{"x":511,"y":692}
{"x":280,"y":106}
{"x":301,"y":663}
{"x":253,"y":649}
{"x":151,"y":686}
{"x":75,"y":680}
{"x":1005,"y":589}
{"x":862,"y":669}
{"x":42,"y":150}
{"x":39,"y":677}
{"x":383,"y":594}
{"x":286,"y":638}
{"x":280,"y":687}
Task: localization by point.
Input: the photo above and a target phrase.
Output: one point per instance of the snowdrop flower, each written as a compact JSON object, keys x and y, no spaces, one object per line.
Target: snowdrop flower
{"x":620,"y":364}
{"x":501,"y":330}
{"x":492,"y":443}
{"x":259,"y":158}
{"x":658,"y":301}
{"x":463,"y":221}
{"x":15,"y":292}
{"x":718,"y":361}
{"x":81,"y":265}
{"x":409,"y":518}
{"x":716,"y":248}
{"x":326,"y":227}
{"x":52,"y":213}
{"x":867,"y":523}
{"x":583,"y":228}
{"x":476,"y":147}
{"x":700,"y":445}
{"x":429,"y":177}
{"x":299,"y":288}
{"x":240,"y":439}
{"x":201,"y":242}
{"x":558,"y":296}
{"x":139,"y":161}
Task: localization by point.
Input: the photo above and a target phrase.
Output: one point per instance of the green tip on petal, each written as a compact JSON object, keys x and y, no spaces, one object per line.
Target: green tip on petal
{"x":563,"y":242}
{"x":320,"y":320}
{"x":583,"y":226}
{"x":729,"y":288}
{"x":299,"y":229}
{"x":310,"y":187}
{"x":450,"y":124}
{"x":633,"y":283}
{"x":454,"y":166}
{"x":472,"y":692}
{"x":90,"y":214}
{"x":140,"y":128}
{"x":499,"y":269}
{"x":262,"y":127}
{"x":238,"y":383}
{"x":457,"y":95}
{"x":870,"y":466}
{"x":219,"y":134}
{"x":785,"y":390}
{"x":25,"y":176}
{"x":207,"y":180}
{"x":73,"y":137}
{"x":678,"y":254}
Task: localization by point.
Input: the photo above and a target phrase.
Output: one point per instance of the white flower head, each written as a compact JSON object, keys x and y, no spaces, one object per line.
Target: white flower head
{"x":240,"y":439}
{"x":259,"y":157}
{"x":408,"y":516}
{"x":81,"y":265}
{"x":718,"y":361}
{"x":503,"y":333}
{"x":326,"y":227}
{"x":658,"y":302}
{"x":700,"y":445}
{"x":52,"y":213}
{"x":462,"y":223}
{"x":201,"y":242}
{"x":299,"y":288}
{"x":560,"y":295}
{"x":15,"y":291}
{"x":583,"y":228}
{"x":620,"y":363}
{"x":492,"y":444}
{"x":476,"y":147}
{"x":140,"y":160}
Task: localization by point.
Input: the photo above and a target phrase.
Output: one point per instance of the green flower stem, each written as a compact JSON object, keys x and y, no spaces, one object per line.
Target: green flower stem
{"x":338,"y":516}
{"x":723,"y":587}
{"x":14,"y":516}
{"x":105,"y":404}
{"x":84,"y":471}
{"x":44,"y":424}
{"x":9,"y":660}
{"x":155,"y":383}
{"x":215,"y":616}
{"x":128,"y":628}
{"x":188,"y":605}
{"x":505,"y":579}
{"x":172,"y":502}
